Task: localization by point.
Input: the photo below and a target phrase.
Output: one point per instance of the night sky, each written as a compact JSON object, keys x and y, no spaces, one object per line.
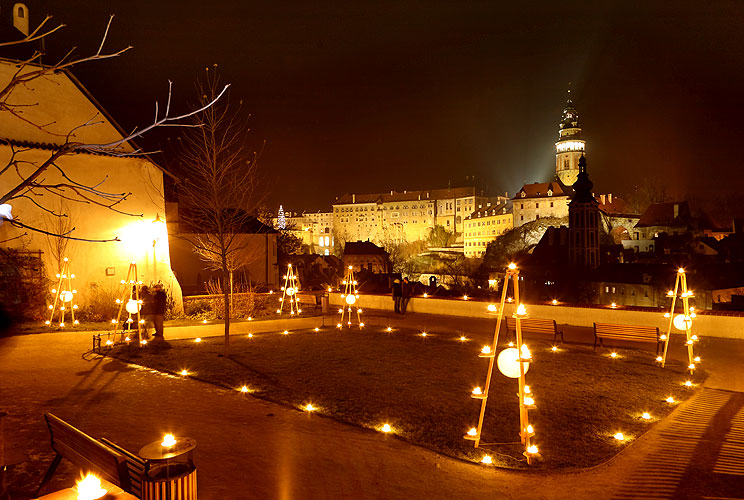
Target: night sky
{"x":372,"y":96}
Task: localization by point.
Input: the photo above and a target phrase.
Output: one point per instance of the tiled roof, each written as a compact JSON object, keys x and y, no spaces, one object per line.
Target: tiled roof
{"x":662,"y":214}
{"x":362,"y":248}
{"x":503,"y":208}
{"x":540,"y":190}
{"x":612,"y":205}
{"x":393,"y":196}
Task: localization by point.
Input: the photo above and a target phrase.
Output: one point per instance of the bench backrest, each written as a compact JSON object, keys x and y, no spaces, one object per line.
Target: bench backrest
{"x":532,"y":325}
{"x":86,"y":453}
{"x":609,"y":329}
{"x":135,"y":467}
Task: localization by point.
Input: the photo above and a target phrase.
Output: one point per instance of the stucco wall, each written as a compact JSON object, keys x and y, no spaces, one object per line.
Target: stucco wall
{"x":142,"y":241}
{"x":704,"y":325}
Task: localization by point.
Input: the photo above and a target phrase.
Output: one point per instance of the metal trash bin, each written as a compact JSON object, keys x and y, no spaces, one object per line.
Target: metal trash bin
{"x":170,"y":482}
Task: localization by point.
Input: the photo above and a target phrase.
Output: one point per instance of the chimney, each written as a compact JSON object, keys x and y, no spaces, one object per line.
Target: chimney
{"x":353,"y":198}
{"x":602,"y":199}
{"x":609,"y":198}
{"x":676,"y":210}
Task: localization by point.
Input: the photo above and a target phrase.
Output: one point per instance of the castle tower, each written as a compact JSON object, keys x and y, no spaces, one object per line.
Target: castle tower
{"x":570,"y":146}
{"x":583,"y":222}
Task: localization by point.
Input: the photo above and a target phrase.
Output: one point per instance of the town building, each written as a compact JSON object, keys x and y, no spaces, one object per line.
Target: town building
{"x":254,"y":256}
{"x":366,"y":256}
{"x":485,"y":225}
{"x":406,"y":216}
{"x":130,"y":232}
{"x":539,"y":200}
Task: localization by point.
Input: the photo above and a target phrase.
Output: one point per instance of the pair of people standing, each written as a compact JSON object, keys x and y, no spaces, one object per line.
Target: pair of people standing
{"x":153,"y":309}
{"x":402,"y":293}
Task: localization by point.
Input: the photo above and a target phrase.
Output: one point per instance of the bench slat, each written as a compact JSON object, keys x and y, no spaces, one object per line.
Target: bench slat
{"x":534,"y":325}
{"x":85,"y":453}
{"x":633,"y":333}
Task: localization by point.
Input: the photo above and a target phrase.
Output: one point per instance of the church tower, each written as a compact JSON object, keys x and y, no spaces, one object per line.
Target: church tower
{"x":570,"y":146}
{"x":583,"y":222}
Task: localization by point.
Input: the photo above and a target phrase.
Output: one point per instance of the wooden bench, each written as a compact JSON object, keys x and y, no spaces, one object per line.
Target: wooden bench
{"x":626,"y":332}
{"x":84,"y":452}
{"x":135,"y":465}
{"x":534,"y":325}
{"x":309,"y":300}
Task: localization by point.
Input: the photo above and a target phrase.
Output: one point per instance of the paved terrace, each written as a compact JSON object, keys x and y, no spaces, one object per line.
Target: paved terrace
{"x":252,"y":449}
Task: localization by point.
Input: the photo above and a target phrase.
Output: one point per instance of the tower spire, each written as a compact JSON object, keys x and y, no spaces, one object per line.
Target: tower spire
{"x":570,"y":146}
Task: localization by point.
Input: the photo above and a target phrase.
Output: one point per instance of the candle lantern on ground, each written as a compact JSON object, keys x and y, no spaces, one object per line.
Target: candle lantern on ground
{"x":681,"y":320}
{"x":513,"y":363}
{"x":350,"y":305}
{"x":64,"y":297}
{"x":289,"y":293}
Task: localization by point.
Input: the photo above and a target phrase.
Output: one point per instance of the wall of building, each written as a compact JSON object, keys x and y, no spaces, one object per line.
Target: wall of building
{"x":480,"y":231}
{"x":705,"y":325}
{"x":101,"y":266}
{"x":528,"y":209}
{"x":260,"y":251}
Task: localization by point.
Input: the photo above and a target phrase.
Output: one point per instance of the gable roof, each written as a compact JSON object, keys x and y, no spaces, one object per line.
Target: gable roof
{"x":363,"y":248}
{"x":540,"y":190}
{"x":675,"y":214}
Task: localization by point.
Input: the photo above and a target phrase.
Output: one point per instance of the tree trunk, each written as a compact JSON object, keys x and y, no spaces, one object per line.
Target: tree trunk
{"x":226,"y":311}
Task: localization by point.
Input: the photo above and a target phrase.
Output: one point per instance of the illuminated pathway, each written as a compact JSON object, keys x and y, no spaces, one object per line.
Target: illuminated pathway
{"x":249,"y":448}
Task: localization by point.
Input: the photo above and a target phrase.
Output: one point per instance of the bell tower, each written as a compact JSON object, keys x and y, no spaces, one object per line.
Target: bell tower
{"x":570,"y":146}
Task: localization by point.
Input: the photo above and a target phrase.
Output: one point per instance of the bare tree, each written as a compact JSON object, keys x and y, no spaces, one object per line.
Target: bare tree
{"x":217,"y":190}
{"x":24,"y":178}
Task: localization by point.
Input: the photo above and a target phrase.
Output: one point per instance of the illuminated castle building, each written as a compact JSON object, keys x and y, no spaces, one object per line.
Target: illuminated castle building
{"x":570,"y":146}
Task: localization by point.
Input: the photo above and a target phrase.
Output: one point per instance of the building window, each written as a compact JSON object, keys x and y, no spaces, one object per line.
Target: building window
{"x":537,"y":205}
{"x":521,"y":206}
{"x":551,"y":204}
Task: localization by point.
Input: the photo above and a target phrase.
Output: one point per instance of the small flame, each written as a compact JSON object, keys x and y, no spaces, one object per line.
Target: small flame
{"x":386,"y":428}
{"x":554,"y":348}
{"x":477,"y":390}
{"x":492,"y":307}
{"x":487,"y":459}
{"x":168,"y":441}
{"x":521,"y":310}
{"x":530,"y":429}
{"x":646,"y":416}
{"x":197,"y":339}
{"x":473,"y":431}
{"x":244,"y":389}
{"x":529,"y":401}
{"x":613,"y":354}
{"x":486,"y":349}
{"x":89,"y":488}
{"x":310,"y":407}
{"x":463,"y":338}
{"x":670,"y":399}
{"x":532,"y":450}
{"x":526,"y":354}
{"x":619,"y":436}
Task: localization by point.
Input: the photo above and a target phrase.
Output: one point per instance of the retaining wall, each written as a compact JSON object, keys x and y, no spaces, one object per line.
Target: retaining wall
{"x":707,"y":323}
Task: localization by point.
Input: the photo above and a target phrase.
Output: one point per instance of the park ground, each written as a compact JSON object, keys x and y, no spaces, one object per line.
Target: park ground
{"x":250,"y":448}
